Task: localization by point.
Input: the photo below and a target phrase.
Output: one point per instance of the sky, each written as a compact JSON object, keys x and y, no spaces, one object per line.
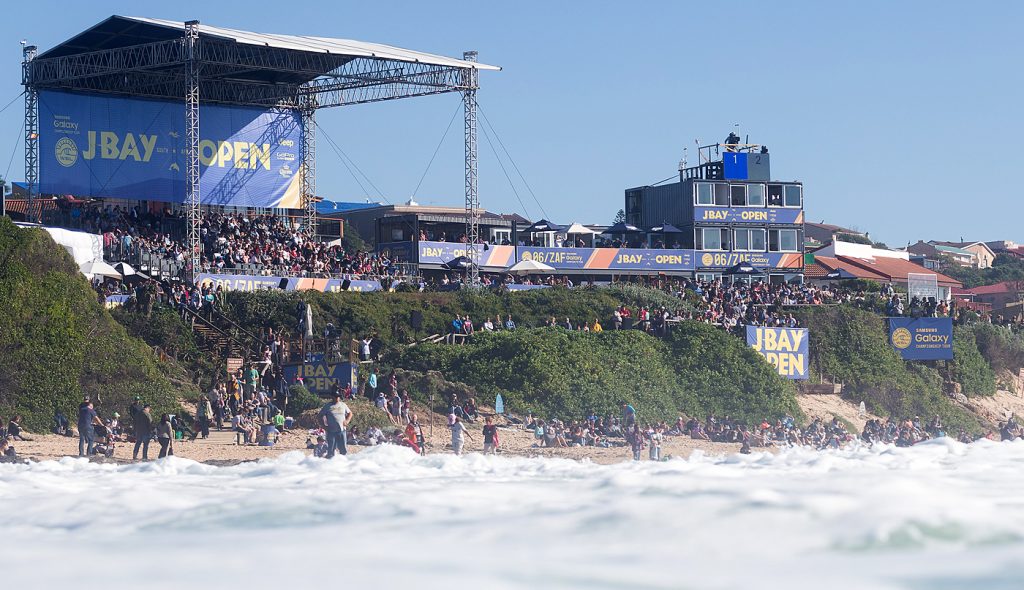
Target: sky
{"x":888,"y":112}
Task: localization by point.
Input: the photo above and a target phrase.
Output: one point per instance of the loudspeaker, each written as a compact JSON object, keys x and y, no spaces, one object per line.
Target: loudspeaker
{"x":345,"y":284}
{"x":283,"y":284}
{"x":416,"y":319}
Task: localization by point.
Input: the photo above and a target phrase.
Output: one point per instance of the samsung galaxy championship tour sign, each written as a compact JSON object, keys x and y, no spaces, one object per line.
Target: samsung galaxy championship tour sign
{"x":922,"y":339}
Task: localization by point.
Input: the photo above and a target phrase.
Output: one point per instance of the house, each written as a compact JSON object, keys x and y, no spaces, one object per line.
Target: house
{"x":1006,"y":247}
{"x":998,"y":295}
{"x":937,"y":251}
{"x":984,"y":255}
{"x":825,"y":233}
{"x":876,"y":264}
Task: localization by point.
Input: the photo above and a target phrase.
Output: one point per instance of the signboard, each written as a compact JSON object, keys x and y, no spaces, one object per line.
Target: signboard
{"x":783,"y":348}
{"x":443,"y":252}
{"x":746,"y":166}
{"x":258,"y":283}
{"x":922,"y":339}
{"x":321,"y":377}
{"x":760,"y":215}
{"x":609,"y":258}
{"x":760,"y":260}
{"x":108,"y":146}
{"x":923,"y":285}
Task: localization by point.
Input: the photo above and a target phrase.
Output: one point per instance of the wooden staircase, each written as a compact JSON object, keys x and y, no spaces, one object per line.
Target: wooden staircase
{"x":222,"y":338}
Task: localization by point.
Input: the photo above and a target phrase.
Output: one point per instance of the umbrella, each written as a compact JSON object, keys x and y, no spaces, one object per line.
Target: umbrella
{"x":623,"y":228}
{"x":743,"y":268}
{"x":124,"y":269}
{"x":542,"y":226}
{"x":576,"y":228}
{"x":526,"y":267}
{"x":668,"y":228}
{"x":460,"y":263}
{"x":840,"y":274}
{"x":91,"y":269}
{"x":138,"y":277}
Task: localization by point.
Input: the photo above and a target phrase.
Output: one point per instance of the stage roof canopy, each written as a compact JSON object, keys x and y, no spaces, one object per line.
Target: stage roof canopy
{"x":147,"y":57}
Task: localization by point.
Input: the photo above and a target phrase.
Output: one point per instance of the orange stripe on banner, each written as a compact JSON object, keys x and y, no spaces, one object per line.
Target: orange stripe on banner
{"x":601,"y":258}
{"x":800,"y":217}
{"x":790,"y":261}
{"x":303,"y":284}
{"x":500,"y":255}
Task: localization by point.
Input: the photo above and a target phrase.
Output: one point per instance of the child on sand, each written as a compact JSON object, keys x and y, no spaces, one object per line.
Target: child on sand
{"x":656,"y":437}
{"x":490,"y":436}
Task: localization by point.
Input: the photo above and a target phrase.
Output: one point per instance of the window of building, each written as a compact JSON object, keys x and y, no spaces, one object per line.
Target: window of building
{"x":705,"y":194}
{"x":782,"y":240}
{"x":722,"y":194}
{"x":499,"y":236}
{"x":707,"y":277}
{"x":755,"y":195}
{"x":749,"y":240}
{"x":738,"y":194}
{"x":712,"y":238}
{"x":794,"y":195}
{"x":774,"y":195}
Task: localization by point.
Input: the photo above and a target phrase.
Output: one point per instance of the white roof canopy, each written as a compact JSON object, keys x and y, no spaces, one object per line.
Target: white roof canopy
{"x":577,"y":228}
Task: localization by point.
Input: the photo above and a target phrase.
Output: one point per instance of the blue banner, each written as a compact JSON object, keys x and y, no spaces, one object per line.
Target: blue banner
{"x":438,"y":253}
{"x":525,"y":287}
{"x":113,"y":301}
{"x":759,"y":260}
{"x":922,"y":339}
{"x":783,"y":348}
{"x":321,"y":377}
{"x":747,"y":215}
{"x":258,"y":283}
{"x":609,"y":258}
{"x":107,"y":146}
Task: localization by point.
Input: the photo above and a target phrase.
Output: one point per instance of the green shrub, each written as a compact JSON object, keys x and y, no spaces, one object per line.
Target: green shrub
{"x":301,"y":400}
{"x":969,"y":367}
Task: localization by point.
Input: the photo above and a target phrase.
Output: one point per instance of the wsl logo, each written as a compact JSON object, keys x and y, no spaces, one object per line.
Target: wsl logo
{"x":66,"y":152}
{"x":901,"y":338}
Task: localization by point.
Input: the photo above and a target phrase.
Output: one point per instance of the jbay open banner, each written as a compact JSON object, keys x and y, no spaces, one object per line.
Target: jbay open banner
{"x":108,"y":146}
{"x":783,"y":348}
{"x":320,"y":376}
{"x":609,"y":258}
{"x":258,"y":283}
{"x":747,"y":215}
{"x":444,"y":252}
{"x":922,"y":339}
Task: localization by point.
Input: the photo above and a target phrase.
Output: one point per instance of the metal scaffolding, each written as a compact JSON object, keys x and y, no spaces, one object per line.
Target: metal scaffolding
{"x":470,"y":83}
{"x":31,"y":132}
{"x":308,"y":111}
{"x":192,"y":211}
{"x":149,"y":58}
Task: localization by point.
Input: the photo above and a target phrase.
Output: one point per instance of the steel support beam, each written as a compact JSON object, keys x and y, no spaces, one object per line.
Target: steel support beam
{"x":471,"y":82}
{"x":193,"y":212}
{"x":308,"y":112}
{"x":31,"y":132}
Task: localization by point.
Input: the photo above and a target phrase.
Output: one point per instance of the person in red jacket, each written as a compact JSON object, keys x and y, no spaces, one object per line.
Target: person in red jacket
{"x":490,"y":436}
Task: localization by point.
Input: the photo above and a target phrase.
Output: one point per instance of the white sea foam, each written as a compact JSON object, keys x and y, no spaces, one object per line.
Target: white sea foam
{"x":939,"y":515}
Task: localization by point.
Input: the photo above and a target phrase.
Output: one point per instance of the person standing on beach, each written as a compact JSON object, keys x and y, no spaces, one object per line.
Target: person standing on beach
{"x":87,"y":417}
{"x":165,"y":436}
{"x":335,"y":418}
{"x":414,"y":422}
{"x":490,"y":436}
{"x":143,"y":423}
{"x":458,"y":433}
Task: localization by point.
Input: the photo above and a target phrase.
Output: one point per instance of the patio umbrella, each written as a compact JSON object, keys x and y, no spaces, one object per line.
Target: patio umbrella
{"x":138,"y":277}
{"x":526,"y":267}
{"x":577,"y":228}
{"x":742,"y":269}
{"x":542,"y":226}
{"x":91,"y":269}
{"x":840,"y":274}
{"x":124,"y":269}
{"x":667,"y":228}
{"x":623,"y":228}
{"x":460,"y":263}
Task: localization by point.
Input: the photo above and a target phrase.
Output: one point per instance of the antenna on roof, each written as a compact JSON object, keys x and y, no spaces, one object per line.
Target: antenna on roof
{"x":682,"y":163}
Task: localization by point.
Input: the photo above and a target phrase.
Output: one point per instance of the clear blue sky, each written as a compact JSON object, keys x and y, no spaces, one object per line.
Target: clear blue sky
{"x":900,"y":117}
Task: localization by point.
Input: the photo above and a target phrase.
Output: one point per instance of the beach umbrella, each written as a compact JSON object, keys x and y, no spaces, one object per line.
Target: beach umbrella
{"x":840,"y":274}
{"x":460,"y":263}
{"x":543,"y":226}
{"x":91,"y":269}
{"x":526,"y":267}
{"x":623,"y":228}
{"x":124,"y":269}
{"x":742,"y":269}
{"x":138,"y":277}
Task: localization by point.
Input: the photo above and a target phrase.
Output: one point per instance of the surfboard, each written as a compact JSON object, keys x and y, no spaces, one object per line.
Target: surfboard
{"x":499,"y":404}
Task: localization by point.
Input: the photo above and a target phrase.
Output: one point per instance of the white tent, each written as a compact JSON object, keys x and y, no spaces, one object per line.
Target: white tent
{"x":526,"y":267}
{"x":577,"y":228}
{"x":91,"y":269}
{"x":124,"y":269}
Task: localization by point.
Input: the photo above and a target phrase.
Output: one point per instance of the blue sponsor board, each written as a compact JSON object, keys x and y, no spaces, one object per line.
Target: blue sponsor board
{"x":760,"y":260}
{"x":747,"y":215}
{"x":321,"y":377}
{"x":525,"y":287}
{"x":783,"y":348}
{"x":107,"y":146}
{"x":922,"y":339}
{"x":258,"y":283}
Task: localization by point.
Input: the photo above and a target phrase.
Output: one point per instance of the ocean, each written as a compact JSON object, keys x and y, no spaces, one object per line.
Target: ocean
{"x":941,"y":515}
